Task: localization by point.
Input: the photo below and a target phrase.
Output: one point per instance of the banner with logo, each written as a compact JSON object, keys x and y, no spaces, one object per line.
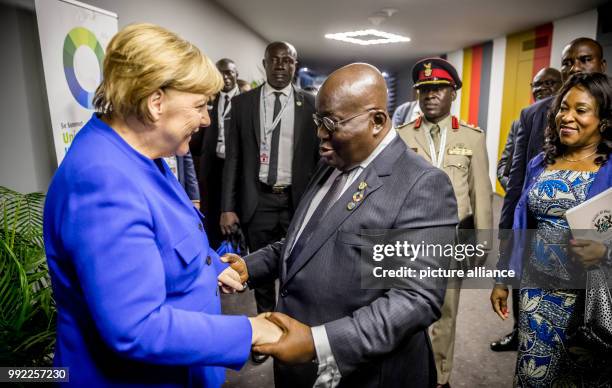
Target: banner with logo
{"x":73,"y":37}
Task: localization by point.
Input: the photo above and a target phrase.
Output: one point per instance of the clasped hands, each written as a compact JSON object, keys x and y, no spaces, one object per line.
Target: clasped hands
{"x":275,"y":334}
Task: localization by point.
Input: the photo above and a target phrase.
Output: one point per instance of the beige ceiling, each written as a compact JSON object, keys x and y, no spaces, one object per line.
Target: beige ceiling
{"x":435,"y":26}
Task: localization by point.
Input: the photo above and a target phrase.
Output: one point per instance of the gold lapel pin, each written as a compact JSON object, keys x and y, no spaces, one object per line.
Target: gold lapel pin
{"x":350,"y":206}
{"x":362,"y":185}
{"x":358,"y":196}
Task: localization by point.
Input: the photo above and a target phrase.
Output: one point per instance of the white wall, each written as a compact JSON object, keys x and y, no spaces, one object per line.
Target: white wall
{"x":202,"y":22}
{"x":27,"y":158}
{"x":569,"y":28}
{"x":456,"y":59}
{"x":498,"y":62}
{"x":404,"y":88}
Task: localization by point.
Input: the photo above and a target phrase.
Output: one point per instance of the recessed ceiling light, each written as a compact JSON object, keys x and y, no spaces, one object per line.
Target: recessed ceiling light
{"x":368,"y":37}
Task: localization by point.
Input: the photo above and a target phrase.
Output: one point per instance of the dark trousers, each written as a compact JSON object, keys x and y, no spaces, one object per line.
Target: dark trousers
{"x":269,"y":224}
{"x":210,"y":201}
{"x":515,"y":306}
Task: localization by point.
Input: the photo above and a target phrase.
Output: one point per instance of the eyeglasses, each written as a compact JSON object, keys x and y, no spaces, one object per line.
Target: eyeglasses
{"x":549,"y":83}
{"x":332,"y":125}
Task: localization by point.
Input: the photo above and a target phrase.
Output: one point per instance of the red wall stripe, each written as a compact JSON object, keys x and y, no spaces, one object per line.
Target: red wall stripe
{"x":475,"y":84}
{"x":541,"y":55}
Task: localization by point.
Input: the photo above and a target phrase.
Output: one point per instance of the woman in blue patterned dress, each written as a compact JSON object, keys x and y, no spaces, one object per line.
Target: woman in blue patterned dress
{"x":573,"y":168}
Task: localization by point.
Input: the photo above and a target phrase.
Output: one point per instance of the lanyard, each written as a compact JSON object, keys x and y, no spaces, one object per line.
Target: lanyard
{"x":269,"y":130}
{"x":436,"y":160}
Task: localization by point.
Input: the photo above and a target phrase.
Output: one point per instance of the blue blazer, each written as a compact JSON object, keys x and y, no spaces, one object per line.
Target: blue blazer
{"x":522,"y":218}
{"x":133,"y":276}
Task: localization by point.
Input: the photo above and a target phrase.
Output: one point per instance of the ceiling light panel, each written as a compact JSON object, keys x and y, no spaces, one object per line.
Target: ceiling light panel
{"x":368,"y":37}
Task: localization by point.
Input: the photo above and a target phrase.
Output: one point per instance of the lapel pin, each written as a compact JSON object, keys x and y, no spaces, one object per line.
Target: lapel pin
{"x":358,"y":196}
{"x":362,"y":185}
{"x":350,"y":206}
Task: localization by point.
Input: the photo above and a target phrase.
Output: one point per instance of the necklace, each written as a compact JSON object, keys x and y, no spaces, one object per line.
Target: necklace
{"x":579,"y":159}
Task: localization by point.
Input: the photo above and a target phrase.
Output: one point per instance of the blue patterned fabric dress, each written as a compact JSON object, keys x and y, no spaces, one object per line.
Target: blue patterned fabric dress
{"x":548,"y":315}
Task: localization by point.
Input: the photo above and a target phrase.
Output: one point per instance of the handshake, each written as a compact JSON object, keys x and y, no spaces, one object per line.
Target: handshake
{"x":274,"y":334}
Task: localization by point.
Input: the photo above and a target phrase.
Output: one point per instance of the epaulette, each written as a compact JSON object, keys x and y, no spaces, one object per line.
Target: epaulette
{"x":454,"y":123}
{"x":471,"y":126}
{"x":417,"y":123}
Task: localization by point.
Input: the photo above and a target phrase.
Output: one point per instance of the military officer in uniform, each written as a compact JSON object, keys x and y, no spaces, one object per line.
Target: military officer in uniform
{"x":460,"y":150}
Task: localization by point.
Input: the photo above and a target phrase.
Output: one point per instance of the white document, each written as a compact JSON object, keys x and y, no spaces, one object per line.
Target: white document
{"x":592,"y":219}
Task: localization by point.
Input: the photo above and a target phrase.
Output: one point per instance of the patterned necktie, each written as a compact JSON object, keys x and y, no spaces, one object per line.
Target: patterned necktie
{"x":317,"y":216}
{"x":225,"y":105}
{"x":435,"y":135}
{"x":273,"y":167}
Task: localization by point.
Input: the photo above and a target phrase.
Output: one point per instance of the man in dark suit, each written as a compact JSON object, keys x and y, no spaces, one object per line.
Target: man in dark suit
{"x":545,"y":83}
{"x":186,"y":176}
{"x":271,"y":153}
{"x":208,"y":149}
{"x":581,"y":55}
{"x":368,"y":179}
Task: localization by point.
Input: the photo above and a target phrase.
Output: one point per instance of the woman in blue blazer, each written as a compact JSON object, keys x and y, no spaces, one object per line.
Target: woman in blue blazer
{"x":133,"y":275}
{"x":574,"y":167}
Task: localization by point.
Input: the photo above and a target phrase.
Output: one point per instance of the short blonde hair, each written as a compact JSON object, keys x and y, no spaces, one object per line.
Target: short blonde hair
{"x":142,"y":58}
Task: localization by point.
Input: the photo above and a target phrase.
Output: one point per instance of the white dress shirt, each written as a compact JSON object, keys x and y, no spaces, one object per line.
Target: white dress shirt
{"x":328,"y":372}
{"x":221,"y":115}
{"x":285,"y":143}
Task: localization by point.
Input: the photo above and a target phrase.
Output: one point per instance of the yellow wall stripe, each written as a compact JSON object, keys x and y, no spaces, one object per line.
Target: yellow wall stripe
{"x":466,"y":79}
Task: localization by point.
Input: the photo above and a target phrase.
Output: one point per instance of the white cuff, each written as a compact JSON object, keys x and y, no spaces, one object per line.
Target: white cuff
{"x":328,"y":374}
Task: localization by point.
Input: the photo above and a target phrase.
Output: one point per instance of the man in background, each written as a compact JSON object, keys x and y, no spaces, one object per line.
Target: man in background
{"x":460,"y":151}
{"x":271,"y":153}
{"x":546,"y":83}
{"x":208,"y":147}
{"x":407,"y":112}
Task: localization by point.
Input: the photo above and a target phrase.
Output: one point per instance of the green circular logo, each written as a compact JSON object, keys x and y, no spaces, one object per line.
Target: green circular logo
{"x":76,"y":38}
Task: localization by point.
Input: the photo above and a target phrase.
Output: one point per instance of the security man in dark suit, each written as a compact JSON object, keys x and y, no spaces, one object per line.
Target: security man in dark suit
{"x":208,"y":149}
{"x":271,"y":153}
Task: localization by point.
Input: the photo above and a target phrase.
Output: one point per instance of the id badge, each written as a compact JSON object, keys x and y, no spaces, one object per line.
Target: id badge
{"x":264,"y":154}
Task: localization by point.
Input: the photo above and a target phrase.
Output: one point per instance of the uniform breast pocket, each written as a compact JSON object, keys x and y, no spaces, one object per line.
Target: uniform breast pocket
{"x":461,"y":162}
{"x":456,"y":167}
{"x":184,"y":262}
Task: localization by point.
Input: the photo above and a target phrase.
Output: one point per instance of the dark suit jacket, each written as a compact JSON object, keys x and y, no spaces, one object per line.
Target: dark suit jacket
{"x":528,"y":143}
{"x":378,"y":336}
{"x":203,"y":147}
{"x":241,"y":170}
{"x":187,"y":176}
{"x":505,"y":161}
